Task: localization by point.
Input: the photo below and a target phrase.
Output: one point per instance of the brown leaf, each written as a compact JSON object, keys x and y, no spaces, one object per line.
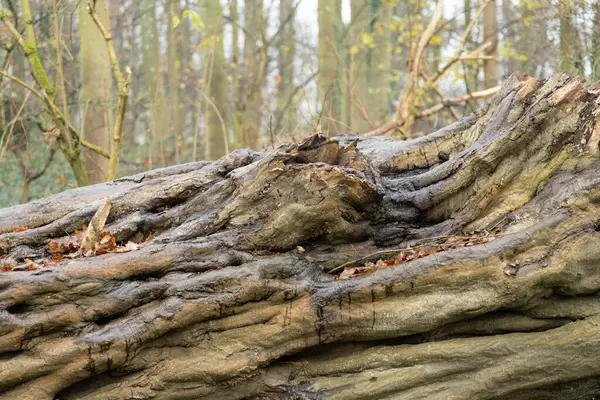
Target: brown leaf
{"x":31,"y":266}
{"x":130,"y":246}
{"x":348,"y":273}
{"x":106,"y":238}
{"x":8,"y":267}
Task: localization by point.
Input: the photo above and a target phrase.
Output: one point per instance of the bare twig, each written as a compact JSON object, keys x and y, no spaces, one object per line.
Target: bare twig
{"x":460,"y":99}
{"x":123,"y":82}
{"x":216,"y":110}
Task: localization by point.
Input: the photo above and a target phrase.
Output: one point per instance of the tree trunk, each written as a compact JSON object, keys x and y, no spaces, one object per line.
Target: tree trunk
{"x":596,"y":43}
{"x":490,"y":34}
{"x":286,"y":57}
{"x":174,"y":100}
{"x":380,"y":64}
{"x":360,"y":34}
{"x":470,"y":70}
{"x":508,"y":14}
{"x":571,"y":50}
{"x":97,"y":85}
{"x":214,"y":59}
{"x":330,"y":66}
{"x":254,"y":59}
{"x":153,"y":78}
{"x":230,"y":297}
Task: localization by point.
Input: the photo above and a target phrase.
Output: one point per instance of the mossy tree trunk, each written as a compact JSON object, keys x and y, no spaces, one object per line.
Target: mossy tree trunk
{"x":330,"y":67}
{"x":214,"y":58}
{"x":221,"y":303}
{"x":153,"y":79}
{"x":96,"y":81}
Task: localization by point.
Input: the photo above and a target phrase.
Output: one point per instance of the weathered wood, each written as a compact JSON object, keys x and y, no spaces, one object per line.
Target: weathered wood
{"x":203,"y":310}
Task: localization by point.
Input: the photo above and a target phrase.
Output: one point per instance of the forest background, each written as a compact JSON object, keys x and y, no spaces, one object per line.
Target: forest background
{"x":112,"y":88}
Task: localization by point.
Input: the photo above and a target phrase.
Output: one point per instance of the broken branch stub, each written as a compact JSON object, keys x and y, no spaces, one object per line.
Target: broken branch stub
{"x":92,"y":235}
{"x":218,"y":301}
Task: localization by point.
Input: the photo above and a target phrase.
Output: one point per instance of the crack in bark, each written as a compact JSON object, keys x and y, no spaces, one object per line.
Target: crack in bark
{"x":199,"y":312}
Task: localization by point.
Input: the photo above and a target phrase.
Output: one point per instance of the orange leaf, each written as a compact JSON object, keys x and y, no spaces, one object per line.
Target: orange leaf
{"x":8,"y":267}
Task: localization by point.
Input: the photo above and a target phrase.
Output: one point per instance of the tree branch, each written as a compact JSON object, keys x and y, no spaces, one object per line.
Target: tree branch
{"x":123,"y":82}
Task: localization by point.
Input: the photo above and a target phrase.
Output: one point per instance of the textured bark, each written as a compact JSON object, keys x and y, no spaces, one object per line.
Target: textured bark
{"x":203,"y":311}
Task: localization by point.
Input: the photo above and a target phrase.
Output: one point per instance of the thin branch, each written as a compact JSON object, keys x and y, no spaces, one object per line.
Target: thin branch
{"x":106,"y":34}
{"x":460,"y":99}
{"x":123,"y":82}
{"x":459,"y":49}
{"x":25,"y":85}
{"x":214,"y":107}
{"x":38,"y":94}
{"x":29,"y":48}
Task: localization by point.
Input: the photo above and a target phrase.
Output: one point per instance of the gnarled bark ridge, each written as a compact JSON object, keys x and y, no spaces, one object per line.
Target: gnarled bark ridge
{"x":221,"y":303}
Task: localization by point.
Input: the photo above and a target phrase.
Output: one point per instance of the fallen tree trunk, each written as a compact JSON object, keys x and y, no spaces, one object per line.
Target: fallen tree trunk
{"x":228,"y":294}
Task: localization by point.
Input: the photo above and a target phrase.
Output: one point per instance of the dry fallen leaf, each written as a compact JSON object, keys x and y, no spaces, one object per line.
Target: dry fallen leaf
{"x":130,"y":246}
{"x":349,"y":273}
{"x":7,"y":267}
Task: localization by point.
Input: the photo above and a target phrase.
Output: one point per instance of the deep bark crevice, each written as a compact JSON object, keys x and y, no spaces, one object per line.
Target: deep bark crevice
{"x":228,"y":297}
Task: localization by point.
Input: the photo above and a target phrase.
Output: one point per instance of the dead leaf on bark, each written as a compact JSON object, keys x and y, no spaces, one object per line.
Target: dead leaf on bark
{"x":350,"y":270}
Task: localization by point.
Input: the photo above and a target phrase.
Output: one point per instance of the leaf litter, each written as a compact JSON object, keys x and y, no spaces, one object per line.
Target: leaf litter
{"x":357,"y":268}
{"x":88,"y":242}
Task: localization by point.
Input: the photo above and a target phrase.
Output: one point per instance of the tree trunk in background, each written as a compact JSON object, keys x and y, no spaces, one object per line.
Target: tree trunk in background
{"x":96,"y":89}
{"x":235,"y":73}
{"x":361,"y":41}
{"x":380,"y":63}
{"x":330,"y":103}
{"x":490,"y":34}
{"x":596,"y":43}
{"x":182,"y":43}
{"x":153,"y":78}
{"x":286,"y":58}
{"x":342,"y":36}
{"x":525,"y":39}
{"x":252,"y":98}
{"x":571,"y":49}
{"x":227,"y":295}
{"x":214,"y":58}
{"x":174,"y":76}
{"x":510,"y":63}
{"x":471,"y":80}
